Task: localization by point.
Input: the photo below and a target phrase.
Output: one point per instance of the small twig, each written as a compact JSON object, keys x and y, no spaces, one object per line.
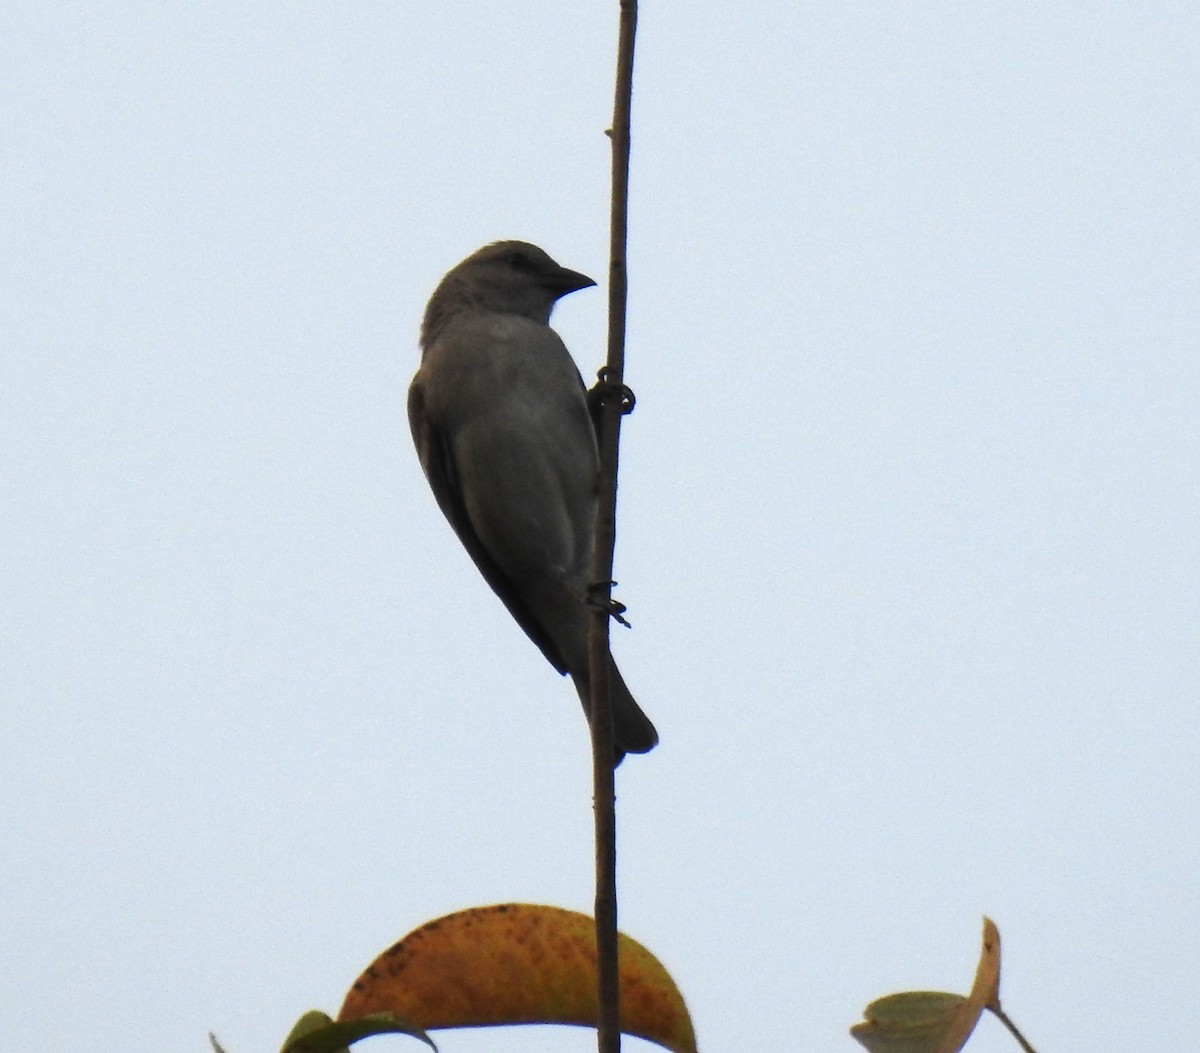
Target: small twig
{"x":1002,"y":1016}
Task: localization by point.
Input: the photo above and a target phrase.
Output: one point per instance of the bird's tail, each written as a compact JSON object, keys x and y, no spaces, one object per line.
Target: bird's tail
{"x":632,"y":730}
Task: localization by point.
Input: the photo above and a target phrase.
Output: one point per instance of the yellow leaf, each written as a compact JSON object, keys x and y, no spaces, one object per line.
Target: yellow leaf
{"x":517,"y":963}
{"x":984,"y":992}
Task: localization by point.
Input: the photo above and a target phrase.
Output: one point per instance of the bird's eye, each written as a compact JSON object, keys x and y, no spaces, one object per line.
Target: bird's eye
{"x":518,"y":261}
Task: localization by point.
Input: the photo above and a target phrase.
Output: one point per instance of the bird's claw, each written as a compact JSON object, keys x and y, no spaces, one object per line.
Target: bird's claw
{"x":598,"y":597}
{"x":607,"y":387}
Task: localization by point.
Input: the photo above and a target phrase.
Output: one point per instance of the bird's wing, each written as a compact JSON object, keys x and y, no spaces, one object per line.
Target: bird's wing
{"x":437,"y":459}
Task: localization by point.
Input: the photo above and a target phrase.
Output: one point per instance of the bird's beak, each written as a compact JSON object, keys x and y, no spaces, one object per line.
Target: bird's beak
{"x":564,"y":281}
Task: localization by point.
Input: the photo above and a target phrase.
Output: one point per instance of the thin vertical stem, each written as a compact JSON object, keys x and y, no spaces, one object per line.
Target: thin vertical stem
{"x":603,"y":790}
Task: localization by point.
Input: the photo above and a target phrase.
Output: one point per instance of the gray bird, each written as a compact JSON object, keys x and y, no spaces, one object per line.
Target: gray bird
{"x":500,"y":419}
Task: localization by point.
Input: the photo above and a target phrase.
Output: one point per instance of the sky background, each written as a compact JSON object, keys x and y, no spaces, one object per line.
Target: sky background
{"x":908,"y":517}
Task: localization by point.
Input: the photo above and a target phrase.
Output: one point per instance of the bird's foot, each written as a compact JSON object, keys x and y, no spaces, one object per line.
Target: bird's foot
{"x":598,"y":597}
{"x":609,"y":386}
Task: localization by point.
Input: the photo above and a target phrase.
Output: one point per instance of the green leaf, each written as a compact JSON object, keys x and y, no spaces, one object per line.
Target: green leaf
{"x":316,"y":1032}
{"x":910,"y":1022}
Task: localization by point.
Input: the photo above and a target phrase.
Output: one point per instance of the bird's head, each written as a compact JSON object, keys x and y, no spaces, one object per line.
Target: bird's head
{"x":511,"y":277}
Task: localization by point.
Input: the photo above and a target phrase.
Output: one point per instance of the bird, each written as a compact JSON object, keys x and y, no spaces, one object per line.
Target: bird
{"x":500,"y":419}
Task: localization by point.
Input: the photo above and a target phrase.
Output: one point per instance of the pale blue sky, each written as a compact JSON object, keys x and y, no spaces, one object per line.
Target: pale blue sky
{"x":908,"y":524}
